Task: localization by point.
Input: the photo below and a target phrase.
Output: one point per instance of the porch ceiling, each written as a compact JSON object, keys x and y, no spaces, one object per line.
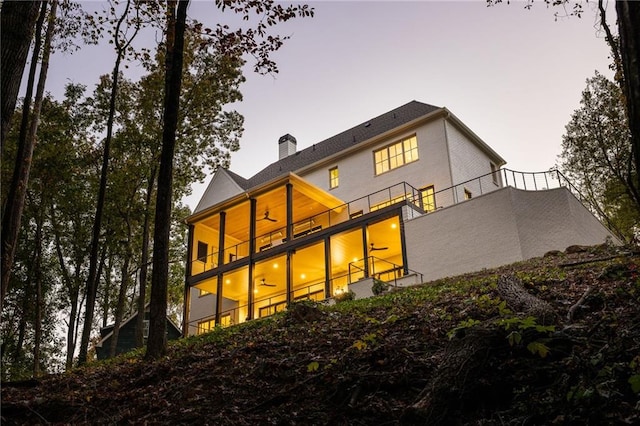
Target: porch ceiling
{"x":308,"y":200}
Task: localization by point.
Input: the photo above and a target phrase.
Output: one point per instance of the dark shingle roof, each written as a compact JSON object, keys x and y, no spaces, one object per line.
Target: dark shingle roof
{"x":242,"y":182}
{"x":340,"y":142}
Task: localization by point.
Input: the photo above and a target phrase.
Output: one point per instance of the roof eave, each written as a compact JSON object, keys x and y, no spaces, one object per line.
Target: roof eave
{"x":475,"y":138}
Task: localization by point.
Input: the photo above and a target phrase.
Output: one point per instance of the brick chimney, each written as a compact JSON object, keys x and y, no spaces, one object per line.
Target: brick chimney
{"x":286,"y":146}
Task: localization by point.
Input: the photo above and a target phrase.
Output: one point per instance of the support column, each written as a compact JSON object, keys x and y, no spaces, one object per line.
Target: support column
{"x":327,"y":267}
{"x":289,"y":233}
{"x":365,"y":246}
{"x":403,"y":245}
{"x":187,"y":287}
{"x":221,"y":231}
{"x":252,"y":249}
{"x":288,"y":275}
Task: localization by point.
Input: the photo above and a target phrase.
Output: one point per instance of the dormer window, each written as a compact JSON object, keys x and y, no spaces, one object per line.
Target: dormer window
{"x":395,"y":155}
{"x":333,"y":178}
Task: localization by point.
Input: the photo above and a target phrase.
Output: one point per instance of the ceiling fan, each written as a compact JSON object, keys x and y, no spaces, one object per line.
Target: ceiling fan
{"x":266,"y":217}
{"x":374,"y":248}
{"x":265,"y":283}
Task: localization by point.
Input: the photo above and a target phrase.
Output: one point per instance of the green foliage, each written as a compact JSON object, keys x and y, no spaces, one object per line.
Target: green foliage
{"x":379,"y":287}
{"x":468,"y":323}
{"x":345,"y":296}
{"x":597,"y":155}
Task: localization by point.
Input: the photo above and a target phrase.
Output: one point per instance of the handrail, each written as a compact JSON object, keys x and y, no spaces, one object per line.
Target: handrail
{"x":404,"y":191}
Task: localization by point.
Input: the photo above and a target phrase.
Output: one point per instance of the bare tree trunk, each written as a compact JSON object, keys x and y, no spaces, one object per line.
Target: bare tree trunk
{"x":629,"y":31}
{"x":37,"y":273}
{"x":92,"y":281}
{"x":106,"y":294}
{"x":73,"y":289}
{"x":16,"y":32}
{"x":176,"y":23}
{"x":144,"y":260}
{"x":22,"y":328}
{"x":120,"y":306}
{"x":12,"y":214}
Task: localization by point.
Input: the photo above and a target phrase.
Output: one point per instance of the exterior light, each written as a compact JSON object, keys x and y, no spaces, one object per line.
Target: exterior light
{"x":303,"y":276}
{"x":275,"y":266}
{"x":393,"y":225}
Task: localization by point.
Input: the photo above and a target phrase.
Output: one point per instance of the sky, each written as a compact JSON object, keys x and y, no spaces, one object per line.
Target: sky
{"x":513,"y":76}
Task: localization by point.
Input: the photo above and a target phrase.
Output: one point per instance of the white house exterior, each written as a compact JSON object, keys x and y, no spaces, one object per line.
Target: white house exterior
{"x":410,"y":195}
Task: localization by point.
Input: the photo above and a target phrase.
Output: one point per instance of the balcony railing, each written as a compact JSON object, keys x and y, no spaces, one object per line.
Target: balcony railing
{"x":400,"y":192}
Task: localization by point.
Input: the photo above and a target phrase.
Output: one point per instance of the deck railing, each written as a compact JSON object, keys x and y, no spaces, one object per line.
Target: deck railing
{"x":401,"y":192}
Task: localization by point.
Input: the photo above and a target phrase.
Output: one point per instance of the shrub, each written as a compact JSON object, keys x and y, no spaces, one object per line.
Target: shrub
{"x":379,"y":286}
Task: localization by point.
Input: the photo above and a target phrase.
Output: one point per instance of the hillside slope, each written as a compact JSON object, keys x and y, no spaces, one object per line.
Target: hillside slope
{"x":448,"y":352}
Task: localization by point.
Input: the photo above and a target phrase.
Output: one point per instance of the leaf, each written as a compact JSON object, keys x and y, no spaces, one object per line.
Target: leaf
{"x":359,"y":345}
{"x":313,"y":366}
{"x":634,"y":381}
{"x":538,"y":348}
{"x":514,"y":338}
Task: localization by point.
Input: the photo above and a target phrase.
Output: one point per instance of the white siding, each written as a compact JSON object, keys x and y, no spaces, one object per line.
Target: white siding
{"x":498,"y":228}
{"x":357,"y":173}
{"x":221,"y":188}
{"x":468,"y":162}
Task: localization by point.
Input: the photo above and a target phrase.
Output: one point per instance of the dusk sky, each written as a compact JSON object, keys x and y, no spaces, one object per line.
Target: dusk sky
{"x":513,"y":76}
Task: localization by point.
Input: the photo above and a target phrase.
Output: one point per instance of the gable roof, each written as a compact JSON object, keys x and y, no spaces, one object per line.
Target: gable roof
{"x":107,"y":332}
{"x":360,"y":133}
{"x":219,"y":189}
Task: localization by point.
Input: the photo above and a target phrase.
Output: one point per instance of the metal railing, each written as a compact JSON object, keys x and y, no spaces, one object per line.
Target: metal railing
{"x":401,"y":192}
{"x":381,"y":269}
{"x":343,"y":213}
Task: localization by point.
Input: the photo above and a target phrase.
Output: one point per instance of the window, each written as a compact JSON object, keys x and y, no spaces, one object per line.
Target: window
{"x":428,"y":198}
{"x":203,"y":248}
{"x":494,"y":173}
{"x":206,"y":326}
{"x":145,"y":329}
{"x":396,"y":155}
{"x":203,"y":292}
{"x":333,"y":178}
{"x":467,"y":194}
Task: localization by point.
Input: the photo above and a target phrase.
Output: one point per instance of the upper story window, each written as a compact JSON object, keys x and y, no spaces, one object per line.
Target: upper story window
{"x":333,"y":178}
{"x":396,"y":155}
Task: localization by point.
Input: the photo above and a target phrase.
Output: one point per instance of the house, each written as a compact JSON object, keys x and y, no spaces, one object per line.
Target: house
{"x":127,"y":336}
{"x":408,"y":196}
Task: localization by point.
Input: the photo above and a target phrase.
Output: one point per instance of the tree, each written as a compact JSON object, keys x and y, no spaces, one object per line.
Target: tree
{"x":254,"y":41}
{"x":17,"y":26}
{"x":27,"y":140}
{"x":626,"y":57}
{"x":597,"y":155}
{"x":176,"y":25}
{"x":122,"y":43}
{"x":629,"y":31}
